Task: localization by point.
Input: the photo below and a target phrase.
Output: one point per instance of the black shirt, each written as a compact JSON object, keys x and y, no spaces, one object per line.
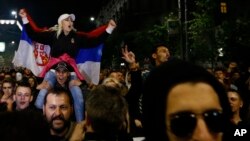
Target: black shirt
{"x":69,"y":44}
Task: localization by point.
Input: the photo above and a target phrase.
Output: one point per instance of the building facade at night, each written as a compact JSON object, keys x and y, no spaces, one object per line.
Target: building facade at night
{"x":131,"y":14}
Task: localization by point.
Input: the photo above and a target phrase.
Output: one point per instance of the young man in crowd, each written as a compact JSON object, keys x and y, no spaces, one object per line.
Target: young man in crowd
{"x":23,"y":97}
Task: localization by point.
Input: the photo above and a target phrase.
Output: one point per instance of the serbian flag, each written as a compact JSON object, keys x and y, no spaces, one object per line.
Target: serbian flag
{"x":88,"y":62}
{"x":35,"y":56}
{"x":31,"y":54}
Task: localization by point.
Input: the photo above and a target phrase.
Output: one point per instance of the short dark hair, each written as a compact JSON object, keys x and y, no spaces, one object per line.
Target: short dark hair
{"x":59,"y":91}
{"x":154,"y":50}
{"x":160,"y":81}
{"x":11,"y":81}
{"x":156,"y":46}
{"x":106,"y":108}
{"x":24,"y":83}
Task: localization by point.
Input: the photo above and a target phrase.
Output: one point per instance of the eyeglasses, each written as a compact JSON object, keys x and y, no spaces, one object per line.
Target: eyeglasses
{"x":183,"y":124}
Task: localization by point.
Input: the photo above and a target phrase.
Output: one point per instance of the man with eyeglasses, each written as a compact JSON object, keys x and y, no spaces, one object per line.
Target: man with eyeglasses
{"x":182,"y":102}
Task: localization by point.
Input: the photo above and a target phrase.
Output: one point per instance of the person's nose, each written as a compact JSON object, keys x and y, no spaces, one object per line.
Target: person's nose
{"x":58,"y":111}
{"x":201,"y":132}
{"x":22,"y":97}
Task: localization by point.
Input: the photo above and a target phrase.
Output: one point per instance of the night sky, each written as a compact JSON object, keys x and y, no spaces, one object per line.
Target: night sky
{"x":46,"y":12}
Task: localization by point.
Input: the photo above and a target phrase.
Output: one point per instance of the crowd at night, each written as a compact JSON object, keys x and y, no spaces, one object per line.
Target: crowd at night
{"x":124,"y":70}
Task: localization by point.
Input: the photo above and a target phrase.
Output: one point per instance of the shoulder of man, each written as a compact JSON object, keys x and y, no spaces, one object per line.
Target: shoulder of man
{"x":70,"y":130}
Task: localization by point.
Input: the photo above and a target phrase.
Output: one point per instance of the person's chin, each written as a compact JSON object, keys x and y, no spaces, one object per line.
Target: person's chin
{"x":23,"y":106}
{"x":57,"y":124}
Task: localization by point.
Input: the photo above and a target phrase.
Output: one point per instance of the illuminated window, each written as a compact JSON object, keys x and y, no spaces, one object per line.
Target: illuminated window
{"x":223,"y":7}
{"x":2,"y":46}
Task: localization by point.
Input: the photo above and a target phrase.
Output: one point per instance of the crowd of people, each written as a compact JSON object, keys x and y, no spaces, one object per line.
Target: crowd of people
{"x":173,"y":100}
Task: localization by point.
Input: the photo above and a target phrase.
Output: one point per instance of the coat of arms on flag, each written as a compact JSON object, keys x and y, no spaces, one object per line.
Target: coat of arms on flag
{"x":34,"y":56}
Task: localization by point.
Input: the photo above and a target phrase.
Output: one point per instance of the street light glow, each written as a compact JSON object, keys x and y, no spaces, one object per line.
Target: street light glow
{"x":7,"y":21}
{"x":12,"y":22}
{"x":2,"y":21}
{"x":13,"y":13}
{"x":2,"y":46}
{"x":92,"y":18}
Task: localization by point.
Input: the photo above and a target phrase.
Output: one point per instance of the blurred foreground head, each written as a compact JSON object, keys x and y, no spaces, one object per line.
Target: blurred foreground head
{"x":183,"y":101}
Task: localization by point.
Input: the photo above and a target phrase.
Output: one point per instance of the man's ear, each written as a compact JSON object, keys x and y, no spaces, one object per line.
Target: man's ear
{"x":88,"y":126}
{"x":14,"y":97}
{"x":241,"y":104}
{"x":43,"y":109}
{"x":31,"y":98}
{"x":87,"y":118}
{"x":153,"y":55}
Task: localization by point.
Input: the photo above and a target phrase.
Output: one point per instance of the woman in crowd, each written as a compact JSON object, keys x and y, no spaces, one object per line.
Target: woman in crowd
{"x":65,"y":42}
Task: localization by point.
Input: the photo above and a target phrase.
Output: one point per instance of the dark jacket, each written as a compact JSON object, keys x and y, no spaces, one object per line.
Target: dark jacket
{"x":105,"y":137}
{"x":69,"y":44}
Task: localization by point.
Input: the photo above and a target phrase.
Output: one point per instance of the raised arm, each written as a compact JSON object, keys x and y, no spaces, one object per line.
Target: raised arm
{"x":100,"y":30}
{"x":24,"y":14}
{"x":97,"y":36}
{"x":40,"y":35}
{"x":129,"y":57}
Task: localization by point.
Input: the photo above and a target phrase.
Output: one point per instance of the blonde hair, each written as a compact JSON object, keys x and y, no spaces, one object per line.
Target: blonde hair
{"x":110,"y":81}
{"x":58,"y":28}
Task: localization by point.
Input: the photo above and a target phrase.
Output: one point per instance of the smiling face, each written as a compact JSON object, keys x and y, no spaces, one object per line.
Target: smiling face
{"x":62,"y":76}
{"x":195,"y":98}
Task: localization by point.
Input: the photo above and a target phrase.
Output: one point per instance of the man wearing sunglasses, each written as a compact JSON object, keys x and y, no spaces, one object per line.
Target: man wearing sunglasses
{"x":183,"y":102}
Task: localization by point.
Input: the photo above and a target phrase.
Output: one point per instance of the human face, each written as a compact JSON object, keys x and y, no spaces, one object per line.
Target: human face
{"x":19,"y":76}
{"x":219,"y":74}
{"x":114,"y":75}
{"x":197,"y":99}
{"x":67,"y":25}
{"x":57,"y":111}
{"x":235,"y":101}
{"x":232,"y":65}
{"x":7,"y":88}
{"x":31,"y":82}
{"x":161,"y":55}
{"x":62,"y":76}
{"x":27,"y":71}
{"x":23,"y":97}
{"x":120,"y":76}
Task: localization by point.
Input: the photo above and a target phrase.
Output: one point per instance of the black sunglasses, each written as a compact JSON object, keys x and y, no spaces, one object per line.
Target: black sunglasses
{"x":183,"y":124}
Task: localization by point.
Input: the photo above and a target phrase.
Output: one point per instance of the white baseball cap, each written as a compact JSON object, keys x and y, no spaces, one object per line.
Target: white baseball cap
{"x":65,"y":16}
